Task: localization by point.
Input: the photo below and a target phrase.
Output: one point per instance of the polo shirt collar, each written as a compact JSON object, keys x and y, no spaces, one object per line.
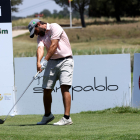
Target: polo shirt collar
{"x":48,"y":26}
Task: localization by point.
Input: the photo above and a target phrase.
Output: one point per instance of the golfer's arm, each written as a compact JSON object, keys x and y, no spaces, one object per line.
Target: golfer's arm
{"x":39,"y":54}
{"x":51,"y":49}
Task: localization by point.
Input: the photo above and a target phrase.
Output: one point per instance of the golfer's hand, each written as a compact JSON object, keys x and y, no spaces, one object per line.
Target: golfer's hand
{"x":44,"y":64}
{"x":39,"y":67}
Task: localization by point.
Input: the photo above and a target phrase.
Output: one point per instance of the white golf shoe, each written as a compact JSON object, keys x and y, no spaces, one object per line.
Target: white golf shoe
{"x":64,"y":121}
{"x":46,"y":120}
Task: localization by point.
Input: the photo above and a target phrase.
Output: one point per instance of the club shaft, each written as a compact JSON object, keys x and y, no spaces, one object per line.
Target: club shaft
{"x":21,"y":95}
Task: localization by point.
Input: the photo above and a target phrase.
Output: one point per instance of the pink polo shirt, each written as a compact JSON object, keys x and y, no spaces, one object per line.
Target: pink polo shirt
{"x":55,"y":31}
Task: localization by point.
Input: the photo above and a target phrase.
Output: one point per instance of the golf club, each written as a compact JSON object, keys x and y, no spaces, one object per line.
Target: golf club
{"x":2,"y":121}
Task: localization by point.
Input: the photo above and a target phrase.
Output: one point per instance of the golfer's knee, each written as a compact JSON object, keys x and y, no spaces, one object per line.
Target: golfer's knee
{"x":64,"y":88}
{"x":47,"y":91}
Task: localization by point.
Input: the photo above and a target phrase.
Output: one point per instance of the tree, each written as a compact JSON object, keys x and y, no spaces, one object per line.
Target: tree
{"x":14,"y":3}
{"x":77,"y":5}
{"x":64,"y":12}
{"x":55,"y":13}
{"x":133,"y":9}
{"x":46,"y":13}
{"x":114,"y":8}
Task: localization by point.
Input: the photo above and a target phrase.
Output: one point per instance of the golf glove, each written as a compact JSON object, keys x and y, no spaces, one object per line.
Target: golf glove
{"x":44,"y":64}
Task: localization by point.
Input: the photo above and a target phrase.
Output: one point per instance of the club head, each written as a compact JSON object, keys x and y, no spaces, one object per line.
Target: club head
{"x":1,"y":121}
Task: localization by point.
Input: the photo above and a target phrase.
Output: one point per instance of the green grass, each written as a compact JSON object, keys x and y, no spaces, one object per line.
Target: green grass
{"x":116,"y":110}
{"x":111,"y":124}
{"x":26,"y":47}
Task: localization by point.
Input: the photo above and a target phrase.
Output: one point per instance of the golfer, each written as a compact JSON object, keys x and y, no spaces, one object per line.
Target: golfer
{"x":58,"y":65}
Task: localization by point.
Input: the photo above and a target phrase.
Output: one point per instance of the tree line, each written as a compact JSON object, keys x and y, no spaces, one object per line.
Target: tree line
{"x":93,"y":8}
{"x":65,"y":13}
{"x":106,"y":8}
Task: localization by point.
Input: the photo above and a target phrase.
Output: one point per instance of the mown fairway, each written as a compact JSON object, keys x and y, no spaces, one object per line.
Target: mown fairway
{"x":87,"y":126}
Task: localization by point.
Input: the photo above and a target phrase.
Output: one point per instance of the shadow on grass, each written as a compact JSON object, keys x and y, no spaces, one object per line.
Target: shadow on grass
{"x":29,"y":125}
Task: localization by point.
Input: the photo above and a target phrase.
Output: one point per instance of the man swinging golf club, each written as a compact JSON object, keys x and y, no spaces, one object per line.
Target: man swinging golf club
{"x":58,"y":65}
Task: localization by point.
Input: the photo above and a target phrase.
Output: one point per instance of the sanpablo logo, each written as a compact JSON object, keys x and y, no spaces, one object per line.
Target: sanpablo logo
{"x":1,"y":97}
{"x":3,"y":31}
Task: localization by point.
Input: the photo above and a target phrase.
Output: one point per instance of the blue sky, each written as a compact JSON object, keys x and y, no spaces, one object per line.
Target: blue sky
{"x":30,"y":7}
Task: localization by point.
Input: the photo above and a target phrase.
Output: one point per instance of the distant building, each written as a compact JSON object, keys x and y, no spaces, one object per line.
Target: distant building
{"x":39,"y":15}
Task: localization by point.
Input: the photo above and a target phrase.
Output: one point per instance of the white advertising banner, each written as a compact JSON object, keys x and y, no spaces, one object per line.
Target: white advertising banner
{"x":99,"y":82}
{"x":6,"y":58}
{"x":136,"y":81}
{"x":7,"y":99}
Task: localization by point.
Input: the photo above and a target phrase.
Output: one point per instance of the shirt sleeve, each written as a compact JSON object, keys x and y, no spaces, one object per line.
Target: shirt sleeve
{"x":56,"y":31}
{"x":40,"y":42}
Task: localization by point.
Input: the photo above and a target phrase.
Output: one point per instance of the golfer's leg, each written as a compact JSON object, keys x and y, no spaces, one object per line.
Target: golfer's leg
{"x":47,"y":99}
{"x":66,"y":99}
{"x":66,"y":120}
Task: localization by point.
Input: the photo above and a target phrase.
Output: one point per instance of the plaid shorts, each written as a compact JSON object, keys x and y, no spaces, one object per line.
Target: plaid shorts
{"x":58,"y":69}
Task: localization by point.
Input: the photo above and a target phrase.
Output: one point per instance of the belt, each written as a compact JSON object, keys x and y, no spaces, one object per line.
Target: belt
{"x":63,"y":58}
